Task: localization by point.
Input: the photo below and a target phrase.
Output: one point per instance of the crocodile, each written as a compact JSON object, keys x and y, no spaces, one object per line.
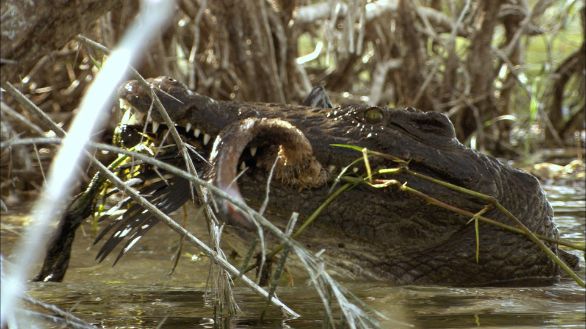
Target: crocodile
{"x":375,"y":233}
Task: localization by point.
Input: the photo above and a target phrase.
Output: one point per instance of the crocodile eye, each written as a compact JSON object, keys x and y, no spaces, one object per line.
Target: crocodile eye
{"x":373,"y":115}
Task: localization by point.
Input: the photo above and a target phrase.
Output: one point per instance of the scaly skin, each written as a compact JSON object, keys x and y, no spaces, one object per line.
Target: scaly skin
{"x":374,"y":233}
{"x":384,"y":234}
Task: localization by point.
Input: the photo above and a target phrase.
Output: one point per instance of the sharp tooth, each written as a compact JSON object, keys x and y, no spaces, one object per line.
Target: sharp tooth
{"x":355,"y":170}
{"x":136,"y":118}
{"x":124,"y":104}
{"x":331,"y":168}
{"x":155,"y":127}
{"x":206,"y":139}
{"x":196,"y":132}
{"x":187,"y":127}
{"x":126,"y":117}
{"x":253,"y":150}
{"x":243,"y":166}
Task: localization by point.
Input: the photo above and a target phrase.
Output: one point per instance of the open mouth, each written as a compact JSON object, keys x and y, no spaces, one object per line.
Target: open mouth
{"x":248,"y":145}
{"x":270,"y":145}
{"x":136,"y":126}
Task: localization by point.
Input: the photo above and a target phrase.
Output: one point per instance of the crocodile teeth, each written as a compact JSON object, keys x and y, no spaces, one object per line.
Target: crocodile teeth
{"x":243,"y":166}
{"x":355,"y":170}
{"x":253,"y":150}
{"x":126,"y":117}
{"x":124,"y":104}
{"x":331,"y":168}
{"x":187,"y":127}
{"x":206,"y":139}
{"x":196,"y":132}
{"x":155,"y":127}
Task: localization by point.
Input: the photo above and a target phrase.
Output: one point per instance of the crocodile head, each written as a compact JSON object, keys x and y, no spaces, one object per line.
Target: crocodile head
{"x":379,"y":233}
{"x":421,"y":137}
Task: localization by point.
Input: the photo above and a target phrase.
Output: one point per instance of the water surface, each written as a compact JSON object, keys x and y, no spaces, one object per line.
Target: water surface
{"x":139,"y":293}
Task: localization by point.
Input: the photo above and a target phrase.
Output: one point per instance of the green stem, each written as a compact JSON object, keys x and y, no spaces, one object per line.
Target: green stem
{"x":527,"y":232}
{"x":523,"y":230}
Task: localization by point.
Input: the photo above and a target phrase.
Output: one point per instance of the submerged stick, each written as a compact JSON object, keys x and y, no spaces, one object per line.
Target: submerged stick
{"x":281,"y":265}
{"x":66,"y":317}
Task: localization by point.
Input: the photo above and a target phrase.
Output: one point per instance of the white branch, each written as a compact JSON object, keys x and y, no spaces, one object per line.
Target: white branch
{"x":93,"y":110}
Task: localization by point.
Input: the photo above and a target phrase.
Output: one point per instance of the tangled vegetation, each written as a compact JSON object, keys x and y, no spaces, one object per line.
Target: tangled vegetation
{"x":507,"y":73}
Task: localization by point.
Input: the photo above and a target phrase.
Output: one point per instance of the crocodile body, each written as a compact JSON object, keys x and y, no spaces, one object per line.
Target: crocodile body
{"x":383,"y":234}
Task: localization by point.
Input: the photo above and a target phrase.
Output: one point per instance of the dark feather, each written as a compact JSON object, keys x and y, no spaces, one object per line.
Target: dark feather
{"x":135,"y":222}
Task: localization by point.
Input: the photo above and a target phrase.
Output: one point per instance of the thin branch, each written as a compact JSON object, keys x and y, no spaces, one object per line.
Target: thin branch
{"x":143,"y":202}
{"x":66,"y":317}
{"x":20,"y":118}
{"x":522,"y":229}
{"x":285,"y":239}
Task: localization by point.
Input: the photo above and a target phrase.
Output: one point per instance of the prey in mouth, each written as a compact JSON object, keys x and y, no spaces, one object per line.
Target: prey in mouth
{"x":264,"y":144}
{"x":378,"y":233}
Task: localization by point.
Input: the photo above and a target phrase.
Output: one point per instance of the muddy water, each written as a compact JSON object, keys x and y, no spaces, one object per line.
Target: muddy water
{"x":139,"y":293}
